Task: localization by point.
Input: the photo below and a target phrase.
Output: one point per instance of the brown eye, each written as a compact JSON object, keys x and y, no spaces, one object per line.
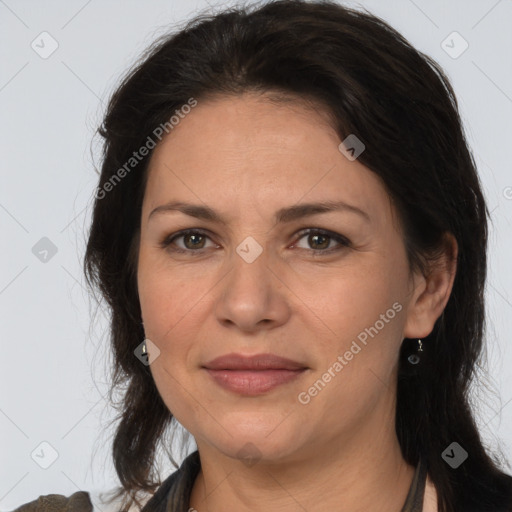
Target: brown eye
{"x":319,"y":241}
{"x":191,"y":241}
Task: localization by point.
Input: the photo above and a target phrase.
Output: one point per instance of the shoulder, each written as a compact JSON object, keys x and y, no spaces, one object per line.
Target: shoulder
{"x":77,"y":502}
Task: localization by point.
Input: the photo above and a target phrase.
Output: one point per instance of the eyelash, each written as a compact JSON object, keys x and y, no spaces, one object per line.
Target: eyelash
{"x":344,"y":242}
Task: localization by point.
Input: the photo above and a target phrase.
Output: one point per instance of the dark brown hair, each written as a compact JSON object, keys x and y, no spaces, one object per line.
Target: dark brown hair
{"x":399,"y":103}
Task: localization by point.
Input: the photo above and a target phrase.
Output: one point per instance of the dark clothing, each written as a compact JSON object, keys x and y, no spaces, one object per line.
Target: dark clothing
{"x":77,"y":502}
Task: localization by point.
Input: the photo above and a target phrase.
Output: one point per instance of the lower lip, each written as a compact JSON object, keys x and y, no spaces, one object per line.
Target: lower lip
{"x":247,"y":382}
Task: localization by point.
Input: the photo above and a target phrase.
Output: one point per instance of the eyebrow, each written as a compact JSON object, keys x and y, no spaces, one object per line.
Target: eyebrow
{"x":283,"y":215}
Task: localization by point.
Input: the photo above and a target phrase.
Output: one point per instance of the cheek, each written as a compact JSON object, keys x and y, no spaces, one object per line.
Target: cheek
{"x":357,"y":367}
{"x":169,"y":300}
{"x":173,"y":310}
{"x":171,"y":323}
{"x":349,"y":304}
{"x":359,"y":352}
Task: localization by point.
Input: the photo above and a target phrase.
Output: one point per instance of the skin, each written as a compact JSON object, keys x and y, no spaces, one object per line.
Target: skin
{"x":246,"y":157}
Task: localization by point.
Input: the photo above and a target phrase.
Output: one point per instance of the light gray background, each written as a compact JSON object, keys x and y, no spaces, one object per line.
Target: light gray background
{"x":53,"y":369}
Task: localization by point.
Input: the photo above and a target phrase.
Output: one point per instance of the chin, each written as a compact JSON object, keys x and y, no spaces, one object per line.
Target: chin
{"x":251,"y":451}
{"x":269,"y":443}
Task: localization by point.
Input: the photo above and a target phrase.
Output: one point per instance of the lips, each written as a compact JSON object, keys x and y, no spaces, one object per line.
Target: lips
{"x":253,"y":375}
{"x":253,"y":363}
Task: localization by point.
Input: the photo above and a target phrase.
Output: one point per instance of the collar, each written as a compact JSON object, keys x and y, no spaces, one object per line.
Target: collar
{"x":174,"y":493}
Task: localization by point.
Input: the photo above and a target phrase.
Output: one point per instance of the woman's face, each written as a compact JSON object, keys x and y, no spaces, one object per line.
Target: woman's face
{"x":253,"y":280}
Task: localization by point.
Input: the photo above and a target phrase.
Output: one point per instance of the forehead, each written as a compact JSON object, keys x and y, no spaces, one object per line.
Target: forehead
{"x":245,"y":151}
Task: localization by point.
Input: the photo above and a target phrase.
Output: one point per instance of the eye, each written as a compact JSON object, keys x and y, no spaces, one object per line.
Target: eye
{"x":194,"y":241}
{"x":321,"y":240}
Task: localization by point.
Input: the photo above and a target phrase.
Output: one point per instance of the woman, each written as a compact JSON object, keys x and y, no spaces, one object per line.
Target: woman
{"x":289,"y":216}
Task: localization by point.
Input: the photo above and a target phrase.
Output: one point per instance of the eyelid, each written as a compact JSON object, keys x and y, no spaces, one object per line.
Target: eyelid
{"x":340,"y":239}
{"x":168,"y":240}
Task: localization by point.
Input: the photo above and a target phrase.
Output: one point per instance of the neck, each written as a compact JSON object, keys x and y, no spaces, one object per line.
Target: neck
{"x":363,"y":471}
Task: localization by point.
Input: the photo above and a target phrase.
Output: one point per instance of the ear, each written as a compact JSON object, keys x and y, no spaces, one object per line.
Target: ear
{"x":430,"y":294}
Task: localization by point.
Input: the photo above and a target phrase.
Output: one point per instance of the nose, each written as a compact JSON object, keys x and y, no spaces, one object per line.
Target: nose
{"x":252,"y":296}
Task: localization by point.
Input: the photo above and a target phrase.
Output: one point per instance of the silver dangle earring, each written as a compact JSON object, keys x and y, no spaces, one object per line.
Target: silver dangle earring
{"x":415,"y":358}
{"x":144,"y":347}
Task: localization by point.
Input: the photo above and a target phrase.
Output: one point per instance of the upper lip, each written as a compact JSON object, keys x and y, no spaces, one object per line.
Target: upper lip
{"x":254,"y":362}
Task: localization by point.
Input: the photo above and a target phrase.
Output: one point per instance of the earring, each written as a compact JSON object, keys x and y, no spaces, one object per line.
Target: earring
{"x":415,"y":358}
{"x":144,"y":346}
